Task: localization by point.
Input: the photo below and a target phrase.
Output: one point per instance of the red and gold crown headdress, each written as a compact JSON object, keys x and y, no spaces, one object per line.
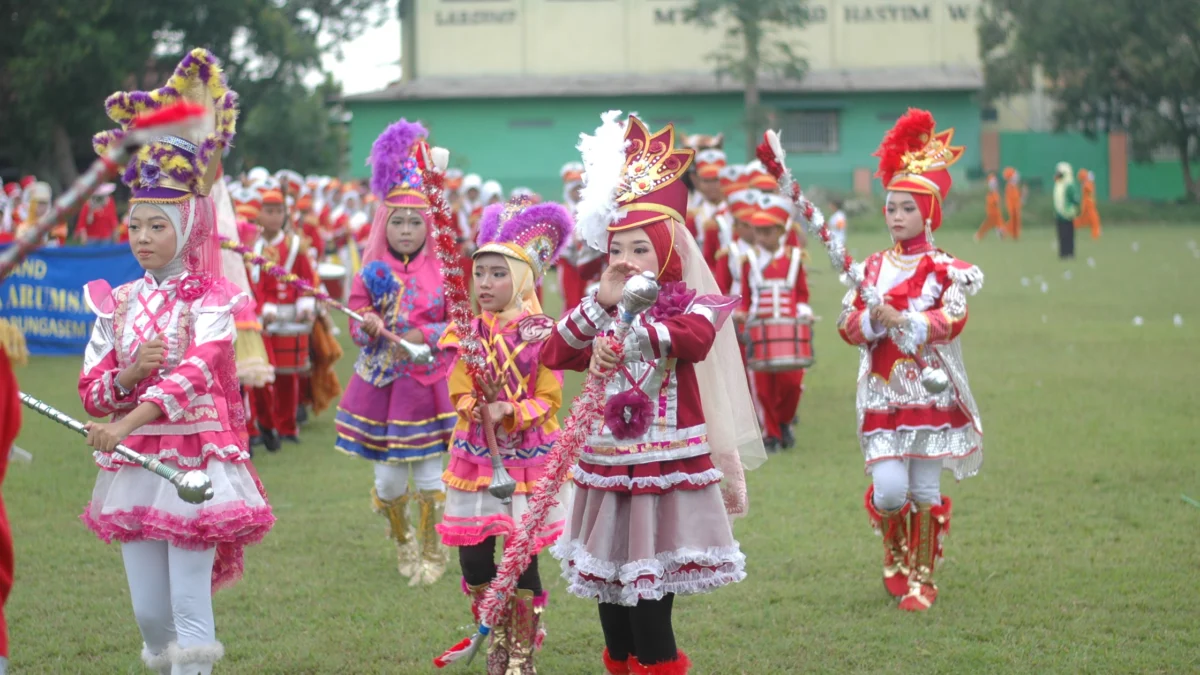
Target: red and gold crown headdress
{"x":632,"y":178}
{"x":914,"y":156}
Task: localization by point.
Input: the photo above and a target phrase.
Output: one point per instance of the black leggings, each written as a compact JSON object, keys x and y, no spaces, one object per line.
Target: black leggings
{"x":478,"y":564}
{"x":643,"y":630}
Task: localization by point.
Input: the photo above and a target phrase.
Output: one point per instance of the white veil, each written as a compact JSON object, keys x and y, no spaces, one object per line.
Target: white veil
{"x":231,"y":261}
{"x":733,"y":433}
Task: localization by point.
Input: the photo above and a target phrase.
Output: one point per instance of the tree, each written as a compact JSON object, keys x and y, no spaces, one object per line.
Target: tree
{"x":73,"y":53}
{"x":752,"y":47}
{"x":1111,"y":65}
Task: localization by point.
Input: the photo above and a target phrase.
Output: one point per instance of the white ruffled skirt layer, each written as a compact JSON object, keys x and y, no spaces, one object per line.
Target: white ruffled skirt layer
{"x":133,"y":504}
{"x":621,"y":547}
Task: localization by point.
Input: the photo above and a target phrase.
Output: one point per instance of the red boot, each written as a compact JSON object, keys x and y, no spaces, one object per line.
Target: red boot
{"x":680,"y":666}
{"x":615,"y":667}
{"x":893,"y":527}
{"x":928,"y":524}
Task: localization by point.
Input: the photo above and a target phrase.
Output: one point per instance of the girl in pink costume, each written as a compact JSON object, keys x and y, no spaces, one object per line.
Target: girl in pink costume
{"x":396,"y":412}
{"x":161,"y":363}
{"x":517,"y":242}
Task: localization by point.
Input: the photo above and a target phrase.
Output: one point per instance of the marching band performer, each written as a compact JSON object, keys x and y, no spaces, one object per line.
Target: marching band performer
{"x":286,"y":315}
{"x":707,"y":202}
{"x":649,"y":520}
{"x":1089,"y":215}
{"x":909,"y":435}
{"x":396,"y":412}
{"x":775,"y":286}
{"x":580,"y":265}
{"x":161,"y":363}
{"x":518,"y":243}
{"x":992,"y":218}
{"x":1013,"y":200}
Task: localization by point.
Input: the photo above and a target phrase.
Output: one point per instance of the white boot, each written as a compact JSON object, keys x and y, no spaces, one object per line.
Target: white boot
{"x":196,"y":660}
{"x":159,"y":663}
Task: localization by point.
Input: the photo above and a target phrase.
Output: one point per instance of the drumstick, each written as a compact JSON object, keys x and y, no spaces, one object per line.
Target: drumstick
{"x":419,"y":353}
{"x":770,"y":153}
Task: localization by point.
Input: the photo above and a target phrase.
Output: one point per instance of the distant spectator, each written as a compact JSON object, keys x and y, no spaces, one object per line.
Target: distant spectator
{"x":1066,"y":208}
{"x":837,"y":222}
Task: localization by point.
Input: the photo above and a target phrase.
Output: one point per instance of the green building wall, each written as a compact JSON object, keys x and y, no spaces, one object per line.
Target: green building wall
{"x":524,"y":142}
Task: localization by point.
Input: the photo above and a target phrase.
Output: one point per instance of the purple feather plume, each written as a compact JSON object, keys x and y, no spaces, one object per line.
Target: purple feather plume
{"x":520,"y":222}
{"x":489,"y":224}
{"x":390,"y":150}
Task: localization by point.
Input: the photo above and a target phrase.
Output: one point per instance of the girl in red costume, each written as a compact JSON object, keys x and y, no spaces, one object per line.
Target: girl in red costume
{"x":916,"y":303}
{"x":662,"y":472}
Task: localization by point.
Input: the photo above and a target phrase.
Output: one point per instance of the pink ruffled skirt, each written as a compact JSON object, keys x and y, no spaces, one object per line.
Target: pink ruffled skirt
{"x":473,"y":514}
{"x":634,"y":536}
{"x":133,"y":504}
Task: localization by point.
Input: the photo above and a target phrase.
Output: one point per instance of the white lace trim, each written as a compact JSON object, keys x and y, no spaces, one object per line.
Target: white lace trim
{"x":110,"y":460}
{"x":626,"y":585}
{"x":665,"y":481}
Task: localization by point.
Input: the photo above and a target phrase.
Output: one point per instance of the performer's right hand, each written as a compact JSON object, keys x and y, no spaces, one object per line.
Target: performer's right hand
{"x":612,"y":283}
{"x":372,"y":325}
{"x":604,"y":359}
{"x":150,"y":357}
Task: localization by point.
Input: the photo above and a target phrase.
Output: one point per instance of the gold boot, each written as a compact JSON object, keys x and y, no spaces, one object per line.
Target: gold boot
{"x":433,"y":554}
{"x":400,"y":530}
{"x":519,"y":637}
{"x":928,"y":526}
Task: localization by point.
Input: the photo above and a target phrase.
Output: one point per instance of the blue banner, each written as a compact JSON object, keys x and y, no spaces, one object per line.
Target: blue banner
{"x":44,"y":295}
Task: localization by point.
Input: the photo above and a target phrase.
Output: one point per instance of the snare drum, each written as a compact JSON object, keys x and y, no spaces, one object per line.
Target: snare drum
{"x":778,"y":344}
{"x":333,"y":276}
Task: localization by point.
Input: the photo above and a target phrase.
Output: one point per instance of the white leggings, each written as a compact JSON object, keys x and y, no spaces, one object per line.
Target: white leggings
{"x":172,"y":593}
{"x":391,"y":480}
{"x":898,"y":479}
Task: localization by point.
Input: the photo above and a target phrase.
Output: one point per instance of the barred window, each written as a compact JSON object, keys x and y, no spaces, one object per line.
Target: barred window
{"x":810,"y":131}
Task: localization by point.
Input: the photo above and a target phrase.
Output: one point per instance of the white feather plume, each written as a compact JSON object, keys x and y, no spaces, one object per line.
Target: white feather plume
{"x":440,"y":157}
{"x":776,"y":145}
{"x":603,"y":157}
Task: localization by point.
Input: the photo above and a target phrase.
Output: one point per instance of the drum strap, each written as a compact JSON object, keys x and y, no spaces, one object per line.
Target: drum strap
{"x":293,"y":251}
{"x":256,"y":270}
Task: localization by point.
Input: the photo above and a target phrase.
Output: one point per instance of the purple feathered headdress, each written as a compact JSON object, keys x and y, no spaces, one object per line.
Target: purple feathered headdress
{"x":172,"y":168}
{"x":533,"y":233}
{"x":394,"y":170}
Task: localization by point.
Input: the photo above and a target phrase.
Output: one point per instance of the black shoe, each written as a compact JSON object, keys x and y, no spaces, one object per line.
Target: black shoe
{"x":301,"y":415}
{"x":789,"y":438}
{"x":772,"y":444}
{"x":292,"y":438}
{"x":256,"y":441}
{"x":271,"y":440}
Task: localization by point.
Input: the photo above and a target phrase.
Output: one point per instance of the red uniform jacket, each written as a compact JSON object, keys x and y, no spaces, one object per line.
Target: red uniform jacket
{"x":774,"y":286}
{"x":272,"y":294}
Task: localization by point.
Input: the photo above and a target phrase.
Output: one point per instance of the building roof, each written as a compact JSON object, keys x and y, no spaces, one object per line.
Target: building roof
{"x":943,"y":78}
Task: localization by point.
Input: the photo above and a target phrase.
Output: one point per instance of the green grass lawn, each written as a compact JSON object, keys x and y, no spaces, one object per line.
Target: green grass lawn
{"x":1072,"y":552}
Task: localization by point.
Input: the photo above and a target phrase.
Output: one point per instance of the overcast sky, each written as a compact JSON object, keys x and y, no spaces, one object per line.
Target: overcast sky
{"x":373,"y":60}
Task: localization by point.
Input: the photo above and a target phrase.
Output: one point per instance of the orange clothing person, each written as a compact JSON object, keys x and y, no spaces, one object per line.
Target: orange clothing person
{"x":1012,"y":199}
{"x":1089,"y":215}
{"x":992,"y":218}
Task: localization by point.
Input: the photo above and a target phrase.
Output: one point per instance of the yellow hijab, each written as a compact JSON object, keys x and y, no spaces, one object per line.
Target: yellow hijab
{"x":524,"y":297}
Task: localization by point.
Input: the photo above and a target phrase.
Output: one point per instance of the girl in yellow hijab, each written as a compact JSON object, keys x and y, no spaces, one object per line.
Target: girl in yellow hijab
{"x":518,"y":241}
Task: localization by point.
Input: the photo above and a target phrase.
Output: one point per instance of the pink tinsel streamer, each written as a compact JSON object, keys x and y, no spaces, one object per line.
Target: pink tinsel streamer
{"x":519,"y":548}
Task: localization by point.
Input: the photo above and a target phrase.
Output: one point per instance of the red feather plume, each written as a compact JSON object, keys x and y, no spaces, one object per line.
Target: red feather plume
{"x":172,"y":114}
{"x":911,"y":132}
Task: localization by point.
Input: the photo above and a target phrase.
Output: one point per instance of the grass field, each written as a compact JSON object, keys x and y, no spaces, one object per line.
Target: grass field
{"x":1072,"y":552}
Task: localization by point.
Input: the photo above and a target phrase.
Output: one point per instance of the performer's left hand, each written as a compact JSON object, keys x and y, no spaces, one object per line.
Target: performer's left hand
{"x":414,"y":336}
{"x":105,"y":436}
{"x":304,"y":316}
{"x":887,"y":315}
{"x":497,"y":411}
{"x":604,"y":358}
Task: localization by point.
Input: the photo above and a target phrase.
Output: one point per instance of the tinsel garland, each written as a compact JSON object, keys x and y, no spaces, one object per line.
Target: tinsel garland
{"x":520,"y":546}
{"x":458,"y":297}
{"x":586,"y":410}
{"x":296,"y":282}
